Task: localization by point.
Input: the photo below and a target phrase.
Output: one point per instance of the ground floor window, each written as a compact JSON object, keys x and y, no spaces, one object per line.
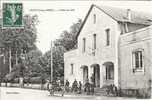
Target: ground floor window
{"x":138,"y":60}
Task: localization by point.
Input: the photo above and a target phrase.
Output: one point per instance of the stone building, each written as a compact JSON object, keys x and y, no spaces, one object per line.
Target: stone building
{"x":114,"y":47}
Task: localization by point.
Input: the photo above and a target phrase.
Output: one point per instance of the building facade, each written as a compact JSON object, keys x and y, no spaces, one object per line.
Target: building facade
{"x":114,"y":47}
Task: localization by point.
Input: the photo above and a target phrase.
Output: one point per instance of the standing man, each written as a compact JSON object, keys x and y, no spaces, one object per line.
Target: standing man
{"x":92,"y":85}
{"x":67,"y":86}
{"x":75,"y":85}
{"x":80,"y":87}
{"x":87,"y":87}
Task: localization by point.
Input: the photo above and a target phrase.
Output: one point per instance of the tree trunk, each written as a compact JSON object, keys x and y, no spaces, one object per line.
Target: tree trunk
{"x":16,"y":58}
{"x":21,"y":82}
{"x":10,"y":58}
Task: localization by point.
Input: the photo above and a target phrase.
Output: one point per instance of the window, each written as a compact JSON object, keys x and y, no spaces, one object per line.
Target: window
{"x":94,"y":18}
{"x":94,"y":41}
{"x":107,"y":37}
{"x":84,"y":45}
{"x":138,"y":60}
{"x":71,"y":68}
{"x":94,"y":46}
{"x":126,"y":27}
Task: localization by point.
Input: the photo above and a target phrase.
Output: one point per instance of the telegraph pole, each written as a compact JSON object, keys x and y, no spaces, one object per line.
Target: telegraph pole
{"x":51,"y":62}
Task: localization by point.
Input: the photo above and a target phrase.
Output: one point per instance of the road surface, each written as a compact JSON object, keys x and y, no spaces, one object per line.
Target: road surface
{"x":30,"y":94}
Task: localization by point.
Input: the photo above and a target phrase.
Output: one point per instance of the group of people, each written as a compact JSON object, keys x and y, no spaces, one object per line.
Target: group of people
{"x":112,"y":89}
{"x":89,"y":87}
{"x":78,"y":88}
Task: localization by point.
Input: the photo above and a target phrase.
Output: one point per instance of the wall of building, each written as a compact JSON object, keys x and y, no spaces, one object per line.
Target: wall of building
{"x":140,"y":39}
{"x":71,"y":57}
{"x":113,"y":53}
{"x":103,"y":53}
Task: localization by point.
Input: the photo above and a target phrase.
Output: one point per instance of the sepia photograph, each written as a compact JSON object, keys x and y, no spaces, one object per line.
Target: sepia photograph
{"x":75,"y":50}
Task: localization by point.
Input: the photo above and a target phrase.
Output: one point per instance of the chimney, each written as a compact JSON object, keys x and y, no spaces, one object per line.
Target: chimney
{"x":129,"y":14}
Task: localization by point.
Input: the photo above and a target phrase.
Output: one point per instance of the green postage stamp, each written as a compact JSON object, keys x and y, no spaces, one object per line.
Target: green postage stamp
{"x":12,"y":15}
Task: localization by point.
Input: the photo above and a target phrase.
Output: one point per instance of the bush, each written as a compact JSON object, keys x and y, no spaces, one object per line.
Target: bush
{"x":35,"y":80}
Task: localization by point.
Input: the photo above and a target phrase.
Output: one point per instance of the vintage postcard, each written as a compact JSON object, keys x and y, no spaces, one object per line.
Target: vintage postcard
{"x":75,"y":50}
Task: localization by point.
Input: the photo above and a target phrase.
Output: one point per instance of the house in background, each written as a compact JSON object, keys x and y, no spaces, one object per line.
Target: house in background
{"x":114,"y":47}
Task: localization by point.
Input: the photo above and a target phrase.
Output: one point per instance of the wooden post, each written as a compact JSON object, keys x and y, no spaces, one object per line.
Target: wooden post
{"x":21,"y":79}
{"x":10,"y":58}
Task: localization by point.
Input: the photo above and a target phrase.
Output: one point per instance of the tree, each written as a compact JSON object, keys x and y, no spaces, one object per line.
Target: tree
{"x":18,"y":41}
{"x":58,"y":61}
{"x":32,"y":63}
{"x":68,"y":39}
{"x":65,"y":42}
{"x":21,"y":38}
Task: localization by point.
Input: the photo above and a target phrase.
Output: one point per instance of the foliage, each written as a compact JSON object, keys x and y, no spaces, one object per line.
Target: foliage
{"x":58,"y":61}
{"x":21,"y":38}
{"x":65,"y":42}
{"x":37,"y":66}
{"x":32,"y":63}
{"x":68,"y":39}
{"x":19,"y":41}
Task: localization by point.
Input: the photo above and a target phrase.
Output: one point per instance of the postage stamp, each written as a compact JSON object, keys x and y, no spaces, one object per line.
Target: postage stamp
{"x":12,"y":14}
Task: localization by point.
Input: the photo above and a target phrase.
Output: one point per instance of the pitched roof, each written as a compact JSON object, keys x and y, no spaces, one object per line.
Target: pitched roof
{"x":120,"y":15}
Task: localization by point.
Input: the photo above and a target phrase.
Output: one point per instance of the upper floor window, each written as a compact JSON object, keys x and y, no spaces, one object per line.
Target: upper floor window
{"x":72,"y":68}
{"x":138,"y":60}
{"x":107,"y":37}
{"x":84,"y":45}
{"x":94,"y":41}
{"x":126,"y":27}
{"x":94,"y":18}
{"x":94,"y":46}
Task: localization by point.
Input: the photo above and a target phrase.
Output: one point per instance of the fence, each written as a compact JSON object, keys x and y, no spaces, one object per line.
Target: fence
{"x":30,"y":86}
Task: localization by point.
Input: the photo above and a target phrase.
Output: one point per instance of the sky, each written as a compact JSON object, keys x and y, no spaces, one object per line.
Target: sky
{"x":57,"y":16}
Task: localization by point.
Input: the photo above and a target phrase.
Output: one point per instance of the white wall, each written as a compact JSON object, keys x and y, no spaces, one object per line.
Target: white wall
{"x":140,"y":39}
{"x":103,"y":53}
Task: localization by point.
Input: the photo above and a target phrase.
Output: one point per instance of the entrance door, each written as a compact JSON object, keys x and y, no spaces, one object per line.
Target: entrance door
{"x":85,"y":74}
{"x":96,"y":75}
{"x":109,"y":73}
